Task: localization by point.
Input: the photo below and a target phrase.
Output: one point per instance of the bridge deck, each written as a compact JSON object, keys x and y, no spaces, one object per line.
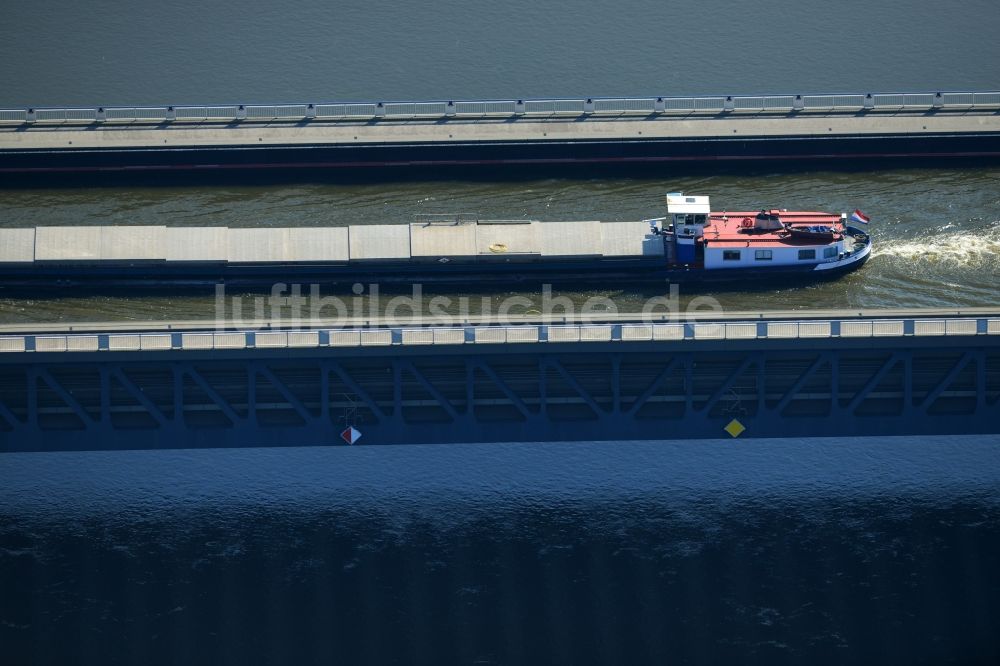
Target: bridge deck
{"x":500,"y":133}
{"x":877,"y":373}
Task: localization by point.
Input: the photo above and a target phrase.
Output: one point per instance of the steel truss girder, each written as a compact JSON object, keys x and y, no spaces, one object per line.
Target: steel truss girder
{"x":613,"y":405}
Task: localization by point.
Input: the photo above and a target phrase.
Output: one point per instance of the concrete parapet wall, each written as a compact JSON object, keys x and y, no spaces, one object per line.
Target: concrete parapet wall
{"x":539,"y":131}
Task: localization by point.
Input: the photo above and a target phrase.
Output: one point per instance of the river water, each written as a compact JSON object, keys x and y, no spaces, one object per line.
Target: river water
{"x":784,"y":551}
{"x":822,"y":551}
{"x":191,"y":52}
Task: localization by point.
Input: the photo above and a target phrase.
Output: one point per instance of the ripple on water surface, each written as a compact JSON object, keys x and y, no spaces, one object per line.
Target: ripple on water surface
{"x":936,"y":231}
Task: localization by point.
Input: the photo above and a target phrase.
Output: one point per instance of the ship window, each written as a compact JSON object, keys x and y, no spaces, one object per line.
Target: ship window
{"x":762,"y":255}
{"x":807,"y":254}
{"x":730,"y":255}
{"x":830,"y":252}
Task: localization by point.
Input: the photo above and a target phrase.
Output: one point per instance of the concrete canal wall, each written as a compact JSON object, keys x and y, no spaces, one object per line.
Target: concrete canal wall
{"x":503,"y":133}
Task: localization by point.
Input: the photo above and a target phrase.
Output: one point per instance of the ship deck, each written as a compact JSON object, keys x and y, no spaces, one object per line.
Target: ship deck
{"x":729,"y":228}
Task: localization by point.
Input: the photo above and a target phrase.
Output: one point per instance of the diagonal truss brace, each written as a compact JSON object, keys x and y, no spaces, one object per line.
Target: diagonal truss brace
{"x":437,"y":395}
{"x":549,"y":362}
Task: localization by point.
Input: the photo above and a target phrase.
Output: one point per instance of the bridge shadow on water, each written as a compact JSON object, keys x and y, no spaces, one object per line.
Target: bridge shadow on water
{"x":779,"y":552}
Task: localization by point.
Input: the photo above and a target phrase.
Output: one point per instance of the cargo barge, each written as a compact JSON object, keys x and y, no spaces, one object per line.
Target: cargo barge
{"x":690,"y":244}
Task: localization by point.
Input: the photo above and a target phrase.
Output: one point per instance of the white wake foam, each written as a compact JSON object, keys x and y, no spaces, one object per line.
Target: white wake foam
{"x":977,"y":248}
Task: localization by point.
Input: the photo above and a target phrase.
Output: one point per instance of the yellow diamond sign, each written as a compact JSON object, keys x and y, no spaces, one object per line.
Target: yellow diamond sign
{"x":735,"y":428}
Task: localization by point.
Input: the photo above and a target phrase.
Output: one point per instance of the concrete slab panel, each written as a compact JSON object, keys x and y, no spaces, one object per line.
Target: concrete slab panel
{"x":141,"y":243}
{"x":317,"y":244}
{"x":257,"y":245}
{"x":17,"y":245}
{"x":382,"y":241}
{"x":197,"y":244}
{"x":502,"y":239}
{"x":570,"y":239}
{"x":629,"y":239}
{"x":451,"y":239}
{"x":67,"y":243}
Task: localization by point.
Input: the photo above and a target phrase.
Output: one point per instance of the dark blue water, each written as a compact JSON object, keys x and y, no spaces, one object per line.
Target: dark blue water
{"x":820,"y":551}
{"x":119,"y":52}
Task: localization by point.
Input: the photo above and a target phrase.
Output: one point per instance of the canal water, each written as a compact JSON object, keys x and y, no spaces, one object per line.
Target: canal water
{"x":936,"y":234}
{"x":787,"y":551}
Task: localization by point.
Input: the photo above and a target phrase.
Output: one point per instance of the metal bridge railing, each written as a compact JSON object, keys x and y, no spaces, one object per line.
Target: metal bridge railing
{"x":542,"y":333}
{"x":598,"y":106}
{"x":346,"y":111}
{"x":136,"y":114}
{"x":622,"y":105}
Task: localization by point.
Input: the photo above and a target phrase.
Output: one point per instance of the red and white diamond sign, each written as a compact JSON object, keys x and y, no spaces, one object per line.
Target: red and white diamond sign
{"x":350,"y":435}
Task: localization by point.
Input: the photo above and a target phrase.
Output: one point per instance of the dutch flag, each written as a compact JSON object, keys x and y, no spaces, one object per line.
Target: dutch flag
{"x":858,"y":216}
